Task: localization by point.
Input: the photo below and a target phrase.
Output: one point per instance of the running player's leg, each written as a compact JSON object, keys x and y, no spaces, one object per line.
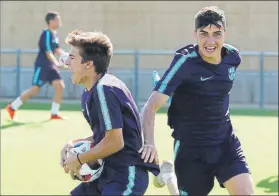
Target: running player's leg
{"x":37,"y":83}
{"x":194,"y":177}
{"x":56,"y":81}
{"x":167,"y":177}
{"x":233,"y":172}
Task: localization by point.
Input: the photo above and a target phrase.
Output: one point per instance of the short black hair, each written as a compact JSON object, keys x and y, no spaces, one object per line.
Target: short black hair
{"x":210,"y":16}
{"x":51,"y":16}
{"x":93,"y":46}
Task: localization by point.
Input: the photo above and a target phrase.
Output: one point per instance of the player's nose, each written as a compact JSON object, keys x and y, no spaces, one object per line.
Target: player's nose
{"x":211,"y":40}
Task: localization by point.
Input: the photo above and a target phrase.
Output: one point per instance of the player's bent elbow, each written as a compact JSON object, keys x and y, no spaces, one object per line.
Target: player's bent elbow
{"x":119,"y":144}
{"x":115,"y":137}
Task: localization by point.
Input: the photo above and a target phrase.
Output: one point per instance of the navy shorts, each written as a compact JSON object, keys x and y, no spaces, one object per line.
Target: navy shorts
{"x":196,"y":167}
{"x":44,"y":75}
{"x":132,"y":180}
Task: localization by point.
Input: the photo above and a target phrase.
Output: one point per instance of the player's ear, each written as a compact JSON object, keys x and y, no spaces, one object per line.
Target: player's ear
{"x":225,"y":35}
{"x":89,"y":64}
{"x":195,"y":34}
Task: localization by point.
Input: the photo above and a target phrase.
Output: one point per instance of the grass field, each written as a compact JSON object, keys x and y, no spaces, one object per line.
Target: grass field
{"x":30,"y":151}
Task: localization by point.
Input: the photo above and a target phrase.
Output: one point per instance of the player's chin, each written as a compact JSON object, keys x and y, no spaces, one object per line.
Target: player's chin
{"x":75,"y":80}
{"x":210,"y":54}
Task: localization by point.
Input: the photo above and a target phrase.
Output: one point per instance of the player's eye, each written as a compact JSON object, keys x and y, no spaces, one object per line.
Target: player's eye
{"x":218,"y":34}
{"x":203,"y":34}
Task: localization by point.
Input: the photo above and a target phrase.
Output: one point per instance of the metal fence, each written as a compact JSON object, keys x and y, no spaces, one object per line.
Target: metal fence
{"x":136,"y":68}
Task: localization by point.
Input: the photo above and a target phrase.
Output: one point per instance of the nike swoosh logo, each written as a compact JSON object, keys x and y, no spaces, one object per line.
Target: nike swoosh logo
{"x":204,"y":79}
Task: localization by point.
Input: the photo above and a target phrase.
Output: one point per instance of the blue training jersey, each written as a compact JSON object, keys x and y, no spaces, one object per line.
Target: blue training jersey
{"x":110,"y":105}
{"x":48,"y":42}
{"x":199,"y":110}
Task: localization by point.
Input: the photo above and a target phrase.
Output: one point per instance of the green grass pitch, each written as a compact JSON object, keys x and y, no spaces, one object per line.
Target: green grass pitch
{"x":30,"y":151}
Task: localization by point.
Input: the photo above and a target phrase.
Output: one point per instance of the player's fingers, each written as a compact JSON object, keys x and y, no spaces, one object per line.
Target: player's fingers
{"x":64,"y":153}
{"x":79,"y":176}
{"x":156,"y":159}
{"x":66,"y":169}
{"x":152,"y":156}
{"x":73,"y":176}
{"x":143,"y":152}
{"x":140,"y":150}
{"x":147,"y":155}
{"x":62,"y":162}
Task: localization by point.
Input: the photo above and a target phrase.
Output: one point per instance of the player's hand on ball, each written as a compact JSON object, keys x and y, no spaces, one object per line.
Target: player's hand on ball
{"x":63,"y":153}
{"x":149,"y":153}
{"x":72,"y":164}
{"x":75,"y":176}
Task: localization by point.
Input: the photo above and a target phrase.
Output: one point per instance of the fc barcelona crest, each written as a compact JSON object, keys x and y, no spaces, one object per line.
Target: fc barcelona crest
{"x":231,"y":73}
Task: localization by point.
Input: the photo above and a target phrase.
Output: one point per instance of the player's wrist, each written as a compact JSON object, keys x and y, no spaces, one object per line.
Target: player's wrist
{"x":85,"y":157}
{"x":78,"y":158}
{"x":147,"y":143}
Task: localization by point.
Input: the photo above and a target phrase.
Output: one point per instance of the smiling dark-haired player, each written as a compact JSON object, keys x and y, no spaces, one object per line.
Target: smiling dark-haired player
{"x":199,"y":80}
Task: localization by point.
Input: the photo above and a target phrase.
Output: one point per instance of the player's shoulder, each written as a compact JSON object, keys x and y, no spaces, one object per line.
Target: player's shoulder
{"x":45,"y":32}
{"x":231,"y":48}
{"x":233,"y":53}
{"x":112,"y":85}
{"x":184,"y":56}
{"x":188,"y":51}
{"x":109,"y":82}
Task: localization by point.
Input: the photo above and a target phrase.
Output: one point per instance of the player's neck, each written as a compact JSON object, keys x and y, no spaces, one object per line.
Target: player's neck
{"x":212,"y":60}
{"x":51,"y":29}
{"x":91,"y":81}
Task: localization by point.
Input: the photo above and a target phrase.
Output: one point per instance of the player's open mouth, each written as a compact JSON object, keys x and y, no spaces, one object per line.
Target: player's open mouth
{"x":210,"y":49}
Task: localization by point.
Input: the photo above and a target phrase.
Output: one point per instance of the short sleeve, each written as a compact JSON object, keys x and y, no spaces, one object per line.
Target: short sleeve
{"x":45,"y":41}
{"x":235,"y":56}
{"x":109,"y":108}
{"x":174,"y":76}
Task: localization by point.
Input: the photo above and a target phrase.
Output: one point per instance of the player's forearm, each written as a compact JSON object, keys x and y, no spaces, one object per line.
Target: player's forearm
{"x":108,"y":146}
{"x":154,"y":103}
{"x":147,"y":120}
{"x":52,"y":58}
{"x":82,"y":139}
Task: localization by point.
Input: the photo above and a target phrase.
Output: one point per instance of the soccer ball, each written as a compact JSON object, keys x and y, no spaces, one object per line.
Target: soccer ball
{"x":88,"y":171}
{"x":62,"y":59}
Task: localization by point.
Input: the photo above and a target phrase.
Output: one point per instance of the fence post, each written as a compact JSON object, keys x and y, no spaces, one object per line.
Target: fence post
{"x":18,"y":66}
{"x":136,"y":72}
{"x":261,"y":91}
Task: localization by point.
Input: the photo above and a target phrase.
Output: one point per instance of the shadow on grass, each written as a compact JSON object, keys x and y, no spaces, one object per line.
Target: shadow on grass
{"x":269,"y":184}
{"x":11,"y":123}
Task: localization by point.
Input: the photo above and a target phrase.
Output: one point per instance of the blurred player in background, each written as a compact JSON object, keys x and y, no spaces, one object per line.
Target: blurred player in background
{"x":113,"y":116}
{"x":199,"y":80}
{"x":46,"y":68}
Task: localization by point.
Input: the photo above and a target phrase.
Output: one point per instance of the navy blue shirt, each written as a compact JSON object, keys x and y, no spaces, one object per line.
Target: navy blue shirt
{"x":110,"y":105}
{"x":199,"y":110}
{"x":48,"y":43}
